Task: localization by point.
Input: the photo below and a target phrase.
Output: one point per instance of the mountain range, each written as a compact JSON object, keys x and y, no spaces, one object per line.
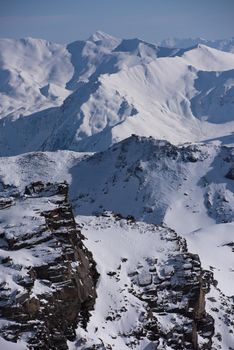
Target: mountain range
{"x":116,"y":194}
{"x":189,"y":104}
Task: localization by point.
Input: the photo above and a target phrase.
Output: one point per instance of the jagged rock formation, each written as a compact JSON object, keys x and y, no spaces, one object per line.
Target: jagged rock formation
{"x":177,"y":289}
{"x":48,"y":277}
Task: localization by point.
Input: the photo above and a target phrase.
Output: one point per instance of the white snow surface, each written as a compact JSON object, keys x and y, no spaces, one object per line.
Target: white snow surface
{"x":33,"y":75}
{"x":215,"y":246}
{"x":7,"y":345}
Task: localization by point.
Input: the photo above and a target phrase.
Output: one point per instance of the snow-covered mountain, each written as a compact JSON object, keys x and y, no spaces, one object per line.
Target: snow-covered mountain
{"x":220,"y":44}
{"x":120,"y":88}
{"x":33,"y":75}
{"x":187,"y":187}
{"x":142,"y":136}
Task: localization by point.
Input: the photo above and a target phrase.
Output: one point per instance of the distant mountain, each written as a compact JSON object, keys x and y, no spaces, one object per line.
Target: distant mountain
{"x":33,"y":75}
{"x":221,"y":44}
{"x":36,"y":74}
{"x":127,"y":87}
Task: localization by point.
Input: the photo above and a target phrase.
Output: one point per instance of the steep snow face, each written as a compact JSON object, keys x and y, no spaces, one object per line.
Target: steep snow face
{"x":219,"y":256}
{"x":33,"y":74}
{"x":92,"y":57}
{"x":205,"y":58}
{"x":125,"y":96}
{"x":221,"y":44}
{"x":104,"y":39}
{"x":144,"y":50}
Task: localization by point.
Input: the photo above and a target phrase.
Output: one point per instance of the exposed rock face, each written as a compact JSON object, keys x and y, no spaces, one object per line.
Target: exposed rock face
{"x":48,"y":277}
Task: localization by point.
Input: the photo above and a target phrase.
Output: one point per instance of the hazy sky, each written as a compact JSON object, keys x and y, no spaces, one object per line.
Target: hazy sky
{"x":152,"y":20}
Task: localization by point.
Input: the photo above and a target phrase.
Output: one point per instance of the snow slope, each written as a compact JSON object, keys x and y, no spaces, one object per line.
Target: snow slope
{"x":36,"y":74}
{"x":219,"y":256}
{"x":33,"y":74}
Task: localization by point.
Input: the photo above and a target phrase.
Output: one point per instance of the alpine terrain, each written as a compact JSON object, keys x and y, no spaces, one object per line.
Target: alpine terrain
{"x":117,"y":194}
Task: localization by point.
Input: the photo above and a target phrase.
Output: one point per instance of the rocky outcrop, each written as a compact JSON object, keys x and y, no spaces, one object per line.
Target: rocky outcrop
{"x":48,"y":277}
{"x":178,"y":289}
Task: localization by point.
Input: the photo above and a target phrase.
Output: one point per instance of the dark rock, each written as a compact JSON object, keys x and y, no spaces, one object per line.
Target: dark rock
{"x":49,"y":318}
{"x":230,"y":174}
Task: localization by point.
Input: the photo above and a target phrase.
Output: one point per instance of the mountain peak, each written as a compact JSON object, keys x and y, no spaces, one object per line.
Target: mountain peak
{"x":101,"y":36}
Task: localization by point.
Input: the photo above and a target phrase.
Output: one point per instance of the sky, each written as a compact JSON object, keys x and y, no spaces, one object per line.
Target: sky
{"x":152,"y":20}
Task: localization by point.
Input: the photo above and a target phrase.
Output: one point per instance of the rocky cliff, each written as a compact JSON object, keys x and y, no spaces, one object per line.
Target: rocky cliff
{"x":48,"y":277}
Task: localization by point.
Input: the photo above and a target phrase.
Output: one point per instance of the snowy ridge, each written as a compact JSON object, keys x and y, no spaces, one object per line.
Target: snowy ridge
{"x":185,"y":187}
